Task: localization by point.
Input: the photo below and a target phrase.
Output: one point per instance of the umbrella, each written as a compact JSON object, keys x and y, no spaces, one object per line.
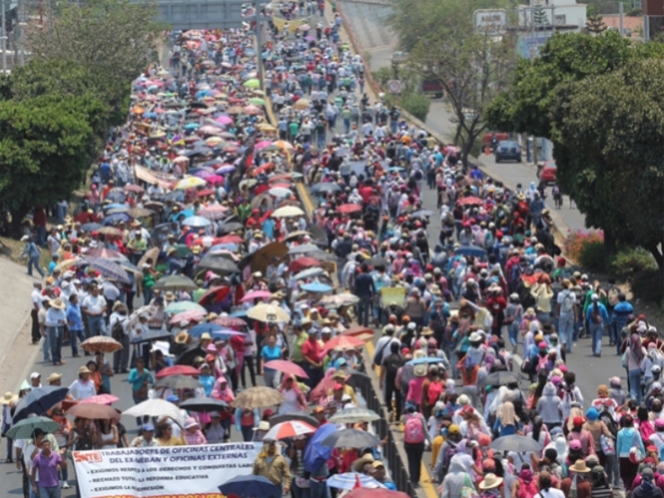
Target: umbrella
{"x":316,"y":454}
{"x":350,"y":438}
{"x":101,"y":344}
{"x":222,"y":265}
{"x":155,"y":408}
{"x":287,"y":367}
{"x":280,"y":192}
{"x":175,"y":283}
{"x":286,"y":430}
{"x":343,"y":342}
{"x":265,"y":256}
{"x":110,"y":231}
{"x":214,"y":295}
{"x":109,"y":269}
{"x":177,"y":370}
{"x":202,"y":328}
{"x":188,"y":316}
{"x":348,"y":480}
{"x":140,"y":212}
{"x":249,"y":486}
{"x":252,"y":83}
{"x":92,"y":411}
{"x":301,"y":263}
{"x":180,"y":306}
{"x":38,"y":401}
{"x":303,"y":249}
{"x":422,"y":213}
{"x":112,"y":219}
{"x":316,"y":287}
{"x":189,"y":182}
{"x":268,"y":313}
{"x":354,"y":415}
{"x":427,"y":360}
{"x":105,"y":253}
{"x":230,"y":226}
{"x":500,"y":378}
{"x":196,"y":222}
{"x":203,"y":405}
{"x":287,"y":211}
{"x":25,"y":428}
{"x":349,"y":208}
{"x":101,"y":399}
{"x":188,"y":356}
{"x":230,"y":321}
{"x":91,"y":227}
{"x":301,"y":104}
{"x":470,"y":201}
{"x":258,"y":397}
{"x":257,"y":294}
{"x":309,"y":273}
{"x":326,"y":187}
{"x":215,"y":212}
{"x":337,"y":300}
{"x":375,"y":493}
{"x":516,"y":443}
{"x":178,"y":382}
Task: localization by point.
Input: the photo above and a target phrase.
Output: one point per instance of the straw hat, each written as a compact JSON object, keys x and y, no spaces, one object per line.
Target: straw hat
{"x":181,"y":337}
{"x":169,"y":296}
{"x":205,"y":336}
{"x":579,"y":467}
{"x":8,"y":398}
{"x":420,"y":370}
{"x":84,"y":370}
{"x":57,"y":303}
{"x":53,"y":377}
{"x":263,"y":425}
{"x":491,"y":481}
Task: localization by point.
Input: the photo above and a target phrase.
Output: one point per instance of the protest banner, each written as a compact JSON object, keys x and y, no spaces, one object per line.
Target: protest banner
{"x":162,"y":471}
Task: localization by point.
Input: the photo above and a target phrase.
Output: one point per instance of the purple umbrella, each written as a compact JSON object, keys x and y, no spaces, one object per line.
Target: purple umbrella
{"x":310,"y":38}
{"x":203,"y":174}
{"x":228,"y":168}
{"x":109,"y":269}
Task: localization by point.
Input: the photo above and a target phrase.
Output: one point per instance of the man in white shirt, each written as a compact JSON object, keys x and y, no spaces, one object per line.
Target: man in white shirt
{"x":94,"y":307}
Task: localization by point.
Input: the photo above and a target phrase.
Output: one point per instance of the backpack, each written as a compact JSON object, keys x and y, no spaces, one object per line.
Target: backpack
{"x":447,"y":457}
{"x":567,"y":306}
{"x":612,"y":296}
{"x":609,"y":422}
{"x":117,"y":332}
{"x":392,"y":364}
{"x":414,"y":430}
{"x":595,"y":315}
{"x":607,"y":444}
{"x":527,"y":490}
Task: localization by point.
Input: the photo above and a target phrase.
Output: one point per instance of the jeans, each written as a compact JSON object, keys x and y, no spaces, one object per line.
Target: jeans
{"x":52,"y":492}
{"x":364,"y":311}
{"x":96,"y":325}
{"x":566,"y":330}
{"x":10,"y":445}
{"x":247,"y":432}
{"x":270,"y":376}
{"x":634,"y":377}
{"x":596,"y":330}
{"x":414,"y":451}
{"x":55,"y":335}
{"x":513,"y":332}
{"x":46,"y":348}
{"x":34,"y":260}
{"x":36,"y":334}
{"x":318,"y":489}
{"x":121,"y":358}
{"x":297,"y":492}
{"x":76,"y":335}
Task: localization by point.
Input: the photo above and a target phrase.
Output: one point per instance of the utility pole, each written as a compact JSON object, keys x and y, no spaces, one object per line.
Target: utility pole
{"x":259,"y":42}
{"x":621,"y":10}
{"x":4,"y":38}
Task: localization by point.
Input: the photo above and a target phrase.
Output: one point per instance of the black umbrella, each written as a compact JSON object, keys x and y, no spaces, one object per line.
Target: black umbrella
{"x":422,"y":213}
{"x":357,"y":379}
{"x":350,"y":438}
{"x":39,"y":401}
{"x":285,"y":417}
{"x":178,"y":382}
{"x":231,"y":226}
{"x":198,"y":105}
{"x":223,"y":265}
{"x":378,"y":261}
{"x":204,"y":405}
{"x":151,"y":335}
{"x":500,"y":378}
{"x":188,"y":355}
{"x":519,"y":444}
{"x":304,"y":249}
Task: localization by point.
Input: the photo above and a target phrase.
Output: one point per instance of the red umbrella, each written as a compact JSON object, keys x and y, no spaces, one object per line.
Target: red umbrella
{"x":302,"y":263}
{"x":101,"y":399}
{"x":177,"y":370}
{"x":281,"y":177}
{"x":349,"y":208}
{"x":130,"y":187}
{"x":287,"y":367}
{"x":231,"y":239}
{"x":229,"y":321}
{"x":262,"y":169}
{"x":205,"y":192}
{"x":344,"y":342}
{"x":363,"y":333}
{"x":470,"y":201}
{"x":214,"y":295}
{"x":199,"y":241}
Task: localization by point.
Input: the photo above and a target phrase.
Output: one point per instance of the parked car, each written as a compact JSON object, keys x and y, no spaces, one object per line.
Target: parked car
{"x":547,"y":172}
{"x":508,"y":150}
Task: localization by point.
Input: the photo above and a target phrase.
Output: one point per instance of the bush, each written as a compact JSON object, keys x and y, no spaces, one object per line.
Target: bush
{"x":629,"y":262}
{"x":417,"y":104}
{"x":647,"y":285}
{"x":587,"y":249}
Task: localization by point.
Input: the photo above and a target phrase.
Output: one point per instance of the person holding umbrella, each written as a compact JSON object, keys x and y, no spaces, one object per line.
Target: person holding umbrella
{"x":273,"y":467}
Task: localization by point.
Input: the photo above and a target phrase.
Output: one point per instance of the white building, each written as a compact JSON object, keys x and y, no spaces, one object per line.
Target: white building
{"x":559,"y":13}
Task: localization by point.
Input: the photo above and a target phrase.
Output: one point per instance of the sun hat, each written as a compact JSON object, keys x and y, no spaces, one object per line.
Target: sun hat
{"x":463,"y":399}
{"x":83,"y":370}
{"x":191,"y":422}
{"x":8,"y":398}
{"x":491,"y":481}
{"x":264,"y":425}
{"x":420,"y":370}
{"x":53,"y":377}
{"x":579,"y":467}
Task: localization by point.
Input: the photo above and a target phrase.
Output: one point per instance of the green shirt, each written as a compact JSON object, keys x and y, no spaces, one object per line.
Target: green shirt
{"x":293,"y":128}
{"x":297,"y":355}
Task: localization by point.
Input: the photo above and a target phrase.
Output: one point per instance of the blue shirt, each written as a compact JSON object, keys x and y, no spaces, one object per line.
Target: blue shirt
{"x":364,"y":285}
{"x":74,"y":318}
{"x":270,"y":353}
{"x":268,"y":228}
{"x":602,"y":313}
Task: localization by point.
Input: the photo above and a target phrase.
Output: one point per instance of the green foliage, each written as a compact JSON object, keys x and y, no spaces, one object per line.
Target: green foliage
{"x":629,"y":262}
{"x":648,"y":286}
{"x":540,"y":17}
{"x":383,"y":75}
{"x":634,"y":12}
{"x":416,"y":104}
{"x":595,"y":24}
{"x":593,"y":257}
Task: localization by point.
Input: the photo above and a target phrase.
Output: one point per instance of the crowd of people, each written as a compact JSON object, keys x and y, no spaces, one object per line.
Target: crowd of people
{"x":195,"y":268}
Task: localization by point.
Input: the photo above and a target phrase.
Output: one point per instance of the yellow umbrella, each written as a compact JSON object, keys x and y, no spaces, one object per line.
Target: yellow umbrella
{"x":268,"y":313}
{"x":266,"y":127}
{"x":302,"y":104}
{"x":252,"y":83}
{"x":287,"y":211}
{"x":282,"y":144}
{"x":137,"y":110}
{"x":189,"y":182}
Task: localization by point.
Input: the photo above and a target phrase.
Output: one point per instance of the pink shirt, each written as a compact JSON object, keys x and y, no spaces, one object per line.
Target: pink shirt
{"x":415,"y":390}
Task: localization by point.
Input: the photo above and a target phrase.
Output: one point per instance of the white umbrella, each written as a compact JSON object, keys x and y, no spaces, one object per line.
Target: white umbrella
{"x":155,"y":408}
{"x":280,"y":192}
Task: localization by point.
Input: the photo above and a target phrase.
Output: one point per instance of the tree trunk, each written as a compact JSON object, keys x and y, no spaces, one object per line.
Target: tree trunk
{"x":659,"y":257}
{"x":17,"y":218}
{"x":609,"y":244}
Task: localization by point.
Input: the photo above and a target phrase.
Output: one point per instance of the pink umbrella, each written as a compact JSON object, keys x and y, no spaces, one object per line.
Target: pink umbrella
{"x":101,"y":399}
{"x":259,"y":294}
{"x":252,"y":110}
{"x":224,"y":120}
{"x":215,"y":212}
{"x":188,"y":316}
{"x":287,"y":367}
{"x":214,"y":179}
{"x":262,"y":144}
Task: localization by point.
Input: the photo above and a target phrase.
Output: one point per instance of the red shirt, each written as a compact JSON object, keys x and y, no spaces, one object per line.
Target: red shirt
{"x":312,"y":350}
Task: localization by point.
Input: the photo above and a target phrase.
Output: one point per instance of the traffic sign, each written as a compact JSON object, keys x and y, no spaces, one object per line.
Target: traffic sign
{"x":394,"y":86}
{"x":490,"y":21}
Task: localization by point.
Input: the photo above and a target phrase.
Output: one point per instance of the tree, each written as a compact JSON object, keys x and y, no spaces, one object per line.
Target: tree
{"x":473,"y":71}
{"x":45,"y":150}
{"x":595,"y":24}
{"x":609,"y":129}
{"x":540,"y":19}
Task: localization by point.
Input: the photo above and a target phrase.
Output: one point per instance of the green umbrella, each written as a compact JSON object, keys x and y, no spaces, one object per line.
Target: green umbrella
{"x":256,"y":101}
{"x":182,"y":250}
{"x":175,"y":283}
{"x":252,"y":83}
{"x":25,"y":428}
{"x":180,"y":306}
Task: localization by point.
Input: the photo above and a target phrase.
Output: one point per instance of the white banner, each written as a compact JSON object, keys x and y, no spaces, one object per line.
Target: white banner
{"x":162,"y":471}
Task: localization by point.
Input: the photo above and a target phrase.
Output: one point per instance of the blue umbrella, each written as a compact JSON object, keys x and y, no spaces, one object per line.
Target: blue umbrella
{"x":200,"y":329}
{"x":203,"y":151}
{"x":175,"y":195}
{"x":239,"y":314}
{"x":116,"y":196}
{"x":249,"y":486}
{"x":226,"y":334}
{"x":39,"y":401}
{"x":116,"y":218}
{"x":308,"y":273}
{"x":395,"y":169}
{"x":197,"y":222}
{"x":191,"y":126}
{"x":115,"y":205}
{"x":316,"y":287}
{"x":150,"y":115}
{"x":315,"y":454}
{"x":223,"y":247}
{"x":91,"y":227}
{"x":425,"y":360}
{"x":199,"y":143}
{"x":109,"y":269}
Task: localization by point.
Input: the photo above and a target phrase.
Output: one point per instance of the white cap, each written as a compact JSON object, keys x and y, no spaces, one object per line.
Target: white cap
{"x":35,"y":375}
{"x":326,"y":330}
{"x":24,"y":238}
{"x":412,"y":325}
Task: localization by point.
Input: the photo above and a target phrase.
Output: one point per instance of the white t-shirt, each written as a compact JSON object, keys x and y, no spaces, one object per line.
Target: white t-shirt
{"x":36,"y":298}
{"x":110,"y":291}
{"x":94,"y":304}
{"x":561,"y":298}
{"x":82,"y":390}
{"x":551,"y":493}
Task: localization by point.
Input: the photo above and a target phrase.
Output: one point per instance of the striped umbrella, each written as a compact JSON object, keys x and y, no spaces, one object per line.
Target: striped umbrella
{"x":348,"y":480}
{"x":285,"y":430}
{"x":109,"y":269}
